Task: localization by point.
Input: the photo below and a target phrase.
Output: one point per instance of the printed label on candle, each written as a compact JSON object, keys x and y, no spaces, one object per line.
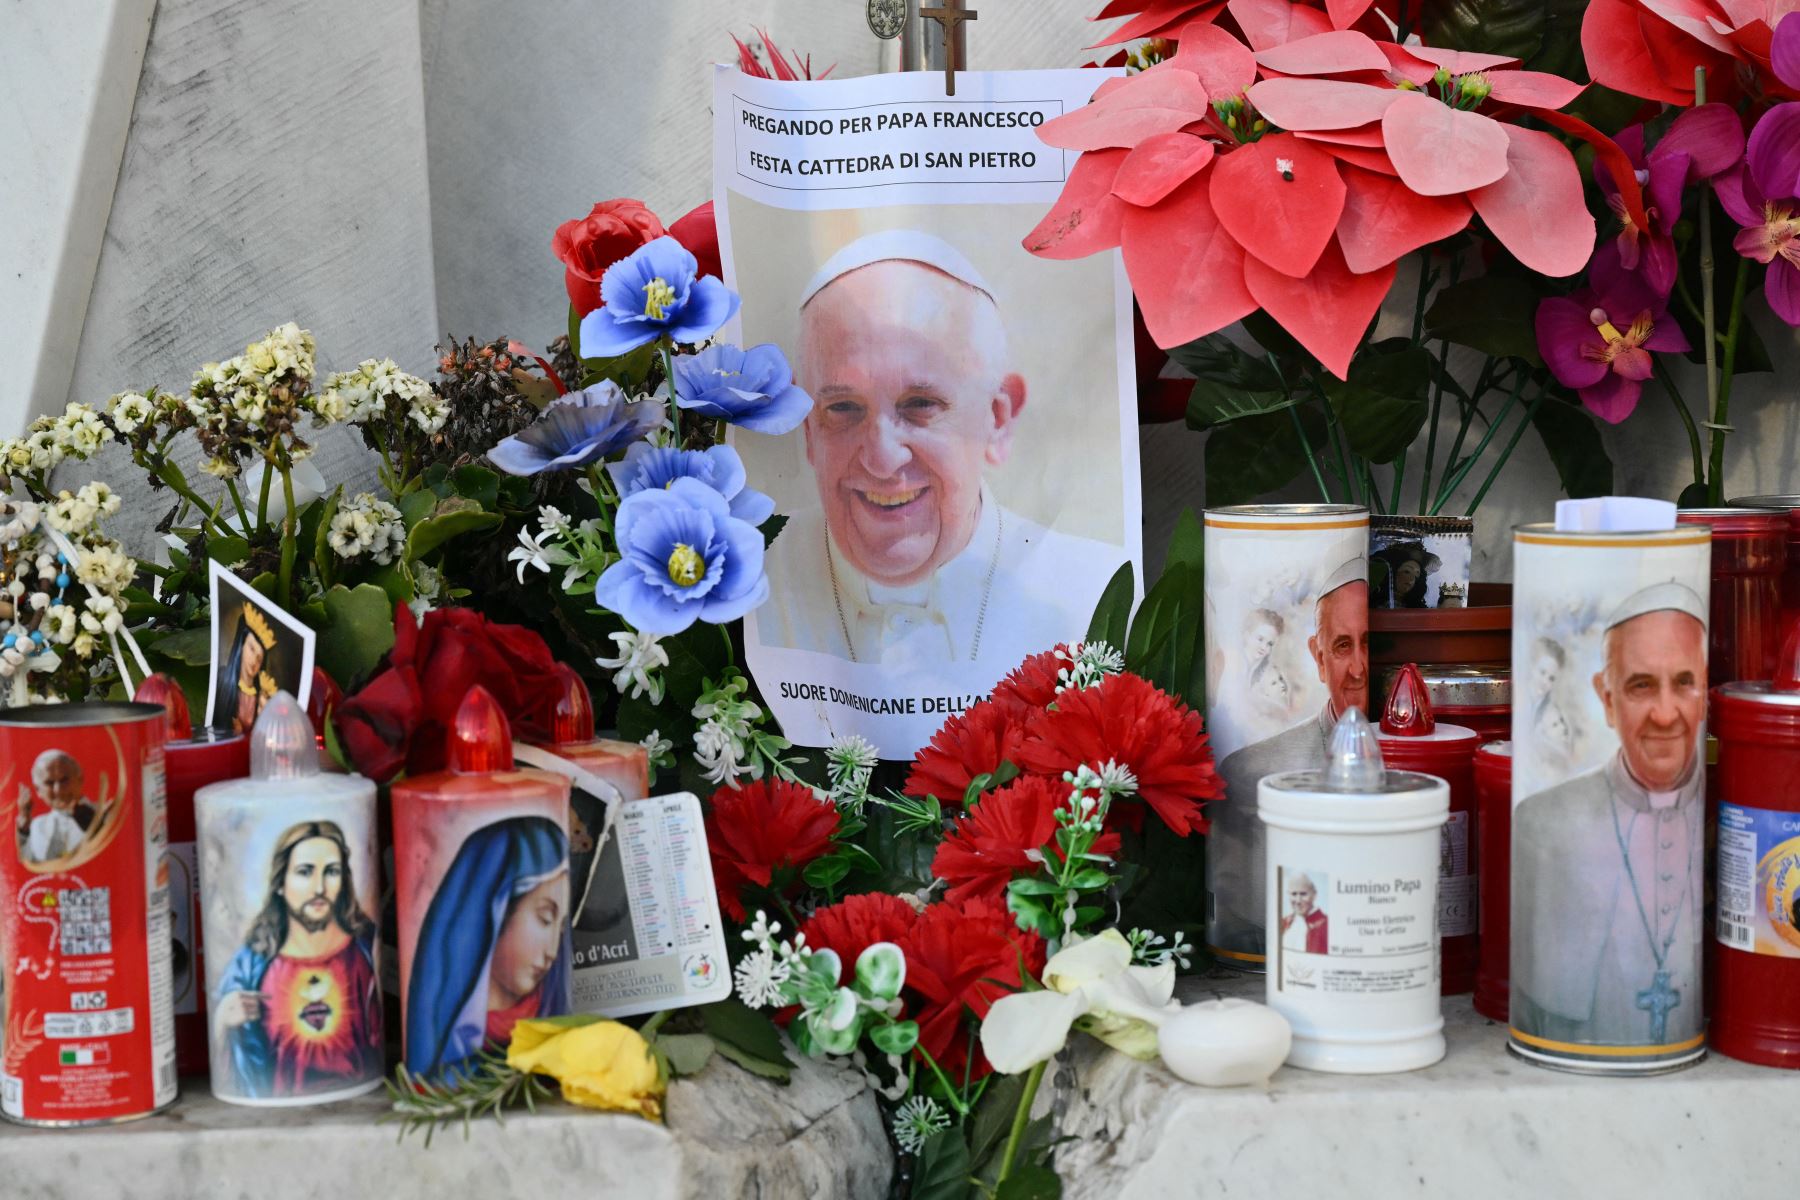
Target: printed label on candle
{"x":184,"y":907}
{"x":1456,"y":882}
{"x":1759,"y":880}
{"x":647,"y":930}
{"x":1356,"y":935}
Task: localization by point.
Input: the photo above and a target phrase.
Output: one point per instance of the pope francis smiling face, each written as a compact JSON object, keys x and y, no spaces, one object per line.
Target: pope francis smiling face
{"x":913,"y":400}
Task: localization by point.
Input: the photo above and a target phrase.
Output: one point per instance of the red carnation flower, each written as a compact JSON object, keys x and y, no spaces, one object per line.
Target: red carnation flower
{"x":974,"y":742}
{"x":1003,"y":835}
{"x":960,"y":958}
{"x":1033,"y":682}
{"x":855,"y":923}
{"x":763,"y":829}
{"x":1130,"y":721}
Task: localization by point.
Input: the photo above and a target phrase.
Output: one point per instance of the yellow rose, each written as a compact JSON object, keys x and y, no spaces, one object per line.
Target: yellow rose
{"x":602,"y":1064}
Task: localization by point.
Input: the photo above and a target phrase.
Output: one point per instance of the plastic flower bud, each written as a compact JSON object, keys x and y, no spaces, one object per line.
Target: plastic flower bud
{"x":881,"y":971}
{"x":1474,"y":88}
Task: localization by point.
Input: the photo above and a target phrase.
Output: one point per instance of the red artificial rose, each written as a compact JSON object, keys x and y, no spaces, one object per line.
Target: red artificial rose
{"x":974,"y":742}
{"x":699,"y":233}
{"x":998,"y":837}
{"x":763,"y":828}
{"x":588,"y":246}
{"x":855,"y":923}
{"x":1033,"y":682}
{"x":459,"y":648}
{"x":376,"y":725}
{"x":960,"y":958}
{"x":1127,"y":720}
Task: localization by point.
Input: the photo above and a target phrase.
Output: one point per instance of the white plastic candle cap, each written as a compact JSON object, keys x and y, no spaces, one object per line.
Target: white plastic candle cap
{"x":1614,"y":514}
{"x":1353,"y":756}
{"x":282,"y":745}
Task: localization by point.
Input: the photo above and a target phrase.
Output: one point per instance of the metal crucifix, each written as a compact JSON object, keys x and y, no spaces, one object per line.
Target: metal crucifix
{"x":950,"y":17}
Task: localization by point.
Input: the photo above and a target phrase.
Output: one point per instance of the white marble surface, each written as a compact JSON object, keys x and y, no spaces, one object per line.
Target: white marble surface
{"x":728,"y":1133}
{"x":1479,"y":1124}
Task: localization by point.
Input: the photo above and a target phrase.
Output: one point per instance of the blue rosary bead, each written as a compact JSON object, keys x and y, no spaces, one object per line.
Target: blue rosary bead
{"x":62,"y":580}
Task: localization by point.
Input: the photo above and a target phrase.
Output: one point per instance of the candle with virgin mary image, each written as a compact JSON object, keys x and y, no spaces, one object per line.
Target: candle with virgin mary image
{"x":1608,"y":840}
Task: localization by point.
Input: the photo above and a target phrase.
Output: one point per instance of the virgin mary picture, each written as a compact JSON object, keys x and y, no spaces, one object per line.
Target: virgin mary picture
{"x":493,"y":948}
{"x":257,"y":650}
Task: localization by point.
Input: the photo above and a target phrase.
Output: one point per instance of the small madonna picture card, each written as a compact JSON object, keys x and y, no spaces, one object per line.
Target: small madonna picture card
{"x":258,"y":649}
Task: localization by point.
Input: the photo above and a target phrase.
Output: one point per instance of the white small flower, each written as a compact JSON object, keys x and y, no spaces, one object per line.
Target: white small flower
{"x":639,"y":655}
{"x":61,"y":624}
{"x":1089,"y":663}
{"x":368,"y":526}
{"x":129,"y":410}
{"x":656,"y":746}
{"x":1117,"y":778}
{"x":551,"y":520}
{"x":530,"y":553}
{"x":917,"y":1121}
{"x":762,"y":931}
{"x":760,"y":979}
{"x":84,"y":645}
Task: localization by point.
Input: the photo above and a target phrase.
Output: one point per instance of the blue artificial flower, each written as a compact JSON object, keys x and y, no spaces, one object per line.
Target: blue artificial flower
{"x":652,"y":293}
{"x":578,"y":429}
{"x":753,"y":388}
{"x":647,"y":467}
{"x":686,"y":559}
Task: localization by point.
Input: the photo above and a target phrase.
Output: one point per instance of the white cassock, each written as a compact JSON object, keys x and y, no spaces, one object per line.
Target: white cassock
{"x":53,"y":834}
{"x":1017,"y":588}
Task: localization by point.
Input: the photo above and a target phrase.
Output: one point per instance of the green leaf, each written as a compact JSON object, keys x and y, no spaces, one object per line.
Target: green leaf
{"x":1112,"y":616}
{"x":574,"y":331}
{"x":827,"y":871}
{"x":942,"y":1172}
{"x":1230,"y":383}
{"x":323,"y":555}
{"x":734,"y":1024}
{"x":478,"y":484}
{"x":1252,"y":457}
{"x":228,"y":551}
{"x":359,"y":631}
{"x":415,"y":506}
{"x":1511,"y":27}
{"x":395,"y":580}
{"x":1383,"y":405}
{"x":687,"y":1053}
{"x":756,"y":1066}
{"x":1573,"y":442}
{"x":898,"y":1038}
{"x":190,"y":646}
{"x":1089,"y":878}
{"x":451,"y":518}
{"x":1495,"y":314}
{"x":1035,"y":1182}
{"x":994,"y":1117}
{"x":1031,"y":885}
{"x":771,"y":528}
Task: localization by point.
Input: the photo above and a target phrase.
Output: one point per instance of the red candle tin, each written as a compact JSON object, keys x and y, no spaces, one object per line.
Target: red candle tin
{"x":1749,"y":559}
{"x":1790,"y":573}
{"x":84,"y":915}
{"x":1493,"y":835}
{"x":1756,"y":1008}
{"x":192,"y":759}
{"x":1412,"y":739}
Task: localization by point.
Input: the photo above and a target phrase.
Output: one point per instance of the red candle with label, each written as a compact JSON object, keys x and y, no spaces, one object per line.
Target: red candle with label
{"x":192,"y":760}
{"x":482,"y":896}
{"x":1749,"y":559}
{"x":1756,"y":1003}
{"x":1493,"y":834}
{"x":1475,"y":696}
{"x":1413,"y":740}
{"x":625,"y":765}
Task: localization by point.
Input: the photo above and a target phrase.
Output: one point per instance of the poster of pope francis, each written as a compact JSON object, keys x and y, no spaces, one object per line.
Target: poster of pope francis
{"x":965,"y":485}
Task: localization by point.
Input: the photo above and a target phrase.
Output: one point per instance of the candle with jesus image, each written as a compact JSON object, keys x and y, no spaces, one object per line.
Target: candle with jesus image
{"x":482,"y":896}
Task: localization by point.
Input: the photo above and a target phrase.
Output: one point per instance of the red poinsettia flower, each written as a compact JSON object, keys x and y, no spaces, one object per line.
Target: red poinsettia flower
{"x":855,"y":923}
{"x":1264,"y":23}
{"x":1006,"y":834}
{"x":1650,"y":48}
{"x":763,"y":830}
{"x":974,"y":742}
{"x":1130,"y":721}
{"x":960,"y":958}
{"x":1294,"y":178}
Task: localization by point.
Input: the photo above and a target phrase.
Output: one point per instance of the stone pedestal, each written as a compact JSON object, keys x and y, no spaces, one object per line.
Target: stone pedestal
{"x":1480,"y":1124}
{"x":728,"y":1133}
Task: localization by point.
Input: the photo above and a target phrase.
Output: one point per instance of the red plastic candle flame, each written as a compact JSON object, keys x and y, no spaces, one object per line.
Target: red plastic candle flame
{"x":160,"y":689}
{"x":1787,"y":664}
{"x":572,"y":717}
{"x":1408,"y":712}
{"x":480,"y":738}
{"x":326,"y":695}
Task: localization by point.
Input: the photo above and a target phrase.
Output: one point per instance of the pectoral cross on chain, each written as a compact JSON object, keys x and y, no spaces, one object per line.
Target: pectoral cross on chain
{"x":950,"y":17}
{"x":1657,"y":1000}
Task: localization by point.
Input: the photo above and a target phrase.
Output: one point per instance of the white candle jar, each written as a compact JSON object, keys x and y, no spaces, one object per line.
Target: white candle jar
{"x":1352,"y":882}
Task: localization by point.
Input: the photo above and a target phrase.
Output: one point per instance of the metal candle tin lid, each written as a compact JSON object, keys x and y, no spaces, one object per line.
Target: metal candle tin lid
{"x":85,"y":712}
{"x":1460,"y":685}
{"x":1738,"y":519}
{"x":1250,"y":516}
{"x":1782,"y":691}
{"x":1501,"y":749}
{"x":1546,"y":533}
{"x":1355,"y":784}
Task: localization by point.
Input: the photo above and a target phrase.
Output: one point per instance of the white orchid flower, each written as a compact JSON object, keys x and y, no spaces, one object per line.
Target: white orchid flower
{"x":1093,"y":983}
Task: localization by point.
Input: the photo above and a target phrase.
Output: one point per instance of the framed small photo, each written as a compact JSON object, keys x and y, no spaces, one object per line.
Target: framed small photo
{"x":258,"y":649}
